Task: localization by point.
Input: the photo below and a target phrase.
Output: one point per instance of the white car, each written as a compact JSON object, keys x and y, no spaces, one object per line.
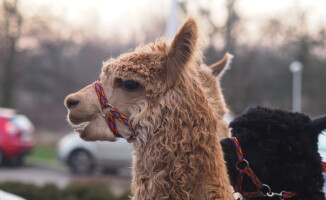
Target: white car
{"x":322,"y":151}
{"x":82,"y":157}
{"x":322,"y":147}
{"x":8,"y":196}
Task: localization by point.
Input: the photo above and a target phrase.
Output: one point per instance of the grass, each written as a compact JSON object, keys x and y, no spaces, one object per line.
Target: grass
{"x":88,"y":190}
{"x":44,"y":155}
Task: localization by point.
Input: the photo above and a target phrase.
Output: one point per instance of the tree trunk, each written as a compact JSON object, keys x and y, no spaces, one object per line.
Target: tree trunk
{"x":232,"y":19}
{"x":13,"y":21}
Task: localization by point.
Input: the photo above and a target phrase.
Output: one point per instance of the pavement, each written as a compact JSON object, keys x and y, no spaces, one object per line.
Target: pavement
{"x":41,"y":175}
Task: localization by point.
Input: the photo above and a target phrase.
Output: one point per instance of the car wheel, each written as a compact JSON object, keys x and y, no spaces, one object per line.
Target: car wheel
{"x":16,"y":161}
{"x":81,"y":162}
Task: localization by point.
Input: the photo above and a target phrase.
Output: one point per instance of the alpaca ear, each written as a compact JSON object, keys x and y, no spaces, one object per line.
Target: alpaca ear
{"x":182,"y":49}
{"x":319,"y":124}
{"x":219,"y":68}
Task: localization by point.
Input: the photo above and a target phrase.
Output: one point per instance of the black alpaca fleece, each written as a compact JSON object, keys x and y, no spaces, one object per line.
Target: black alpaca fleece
{"x":281,"y":148}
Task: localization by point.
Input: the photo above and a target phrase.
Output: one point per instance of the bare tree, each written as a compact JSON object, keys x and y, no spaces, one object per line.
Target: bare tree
{"x":232,"y":19}
{"x":12,"y":27}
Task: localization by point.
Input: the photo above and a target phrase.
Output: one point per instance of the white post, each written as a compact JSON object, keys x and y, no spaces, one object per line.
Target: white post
{"x":172,"y":21}
{"x":296,"y":69}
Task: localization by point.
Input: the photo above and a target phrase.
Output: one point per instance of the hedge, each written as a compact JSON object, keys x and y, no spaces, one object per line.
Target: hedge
{"x":93,"y":190}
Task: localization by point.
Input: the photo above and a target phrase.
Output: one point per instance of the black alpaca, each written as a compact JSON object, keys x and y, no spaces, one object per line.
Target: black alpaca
{"x":281,"y":148}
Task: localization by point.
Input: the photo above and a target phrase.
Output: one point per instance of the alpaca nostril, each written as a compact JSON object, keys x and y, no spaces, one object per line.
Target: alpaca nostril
{"x":71,"y":103}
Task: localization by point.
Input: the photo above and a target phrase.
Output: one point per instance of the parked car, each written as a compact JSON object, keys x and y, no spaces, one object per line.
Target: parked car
{"x":8,"y":196}
{"x":322,"y":147}
{"x":16,"y":137}
{"x":322,"y":151}
{"x":82,"y":157}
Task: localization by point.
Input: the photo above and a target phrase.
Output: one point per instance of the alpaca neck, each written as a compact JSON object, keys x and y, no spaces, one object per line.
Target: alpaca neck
{"x":180,"y":157}
{"x":181,"y":165}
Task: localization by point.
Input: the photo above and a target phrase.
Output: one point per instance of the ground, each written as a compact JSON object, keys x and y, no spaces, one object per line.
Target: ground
{"x":41,"y":175}
{"x":43,"y":167}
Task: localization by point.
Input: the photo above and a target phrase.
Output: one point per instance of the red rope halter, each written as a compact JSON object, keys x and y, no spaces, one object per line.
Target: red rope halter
{"x":260,"y":186}
{"x":113,"y":113}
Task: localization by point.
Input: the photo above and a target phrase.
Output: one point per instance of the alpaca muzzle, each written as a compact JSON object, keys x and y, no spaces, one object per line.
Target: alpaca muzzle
{"x":263,"y":190}
{"x":113,"y":113}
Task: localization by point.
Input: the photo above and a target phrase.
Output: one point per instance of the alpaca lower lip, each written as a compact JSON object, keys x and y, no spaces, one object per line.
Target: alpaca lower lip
{"x":80,"y":127}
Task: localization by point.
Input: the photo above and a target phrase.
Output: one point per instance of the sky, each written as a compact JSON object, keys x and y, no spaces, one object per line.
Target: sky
{"x":105,"y":17}
{"x":256,"y":11}
{"x":99,"y":16}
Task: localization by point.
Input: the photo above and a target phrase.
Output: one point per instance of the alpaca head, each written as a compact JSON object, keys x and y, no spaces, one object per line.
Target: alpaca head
{"x":281,"y":148}
{"x":211,"y":76}
{"x":133,"y":83}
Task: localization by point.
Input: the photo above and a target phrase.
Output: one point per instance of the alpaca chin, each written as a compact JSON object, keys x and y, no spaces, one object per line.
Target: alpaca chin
{"x":99,"y":133}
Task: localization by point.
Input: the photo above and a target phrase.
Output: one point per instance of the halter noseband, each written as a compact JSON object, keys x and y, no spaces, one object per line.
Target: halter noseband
{"x":113,"y":113}
{"x":260,"y":186}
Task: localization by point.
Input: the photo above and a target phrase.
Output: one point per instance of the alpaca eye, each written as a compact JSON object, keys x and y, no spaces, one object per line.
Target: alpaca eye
{"x":131,"y":85}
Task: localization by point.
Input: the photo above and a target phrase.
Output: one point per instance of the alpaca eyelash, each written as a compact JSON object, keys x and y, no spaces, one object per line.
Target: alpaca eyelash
{"x":131,"y":85}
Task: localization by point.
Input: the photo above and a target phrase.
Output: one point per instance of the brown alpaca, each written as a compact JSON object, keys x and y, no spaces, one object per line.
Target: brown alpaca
{"x":177,"y":154}
{"x":210,"y":77}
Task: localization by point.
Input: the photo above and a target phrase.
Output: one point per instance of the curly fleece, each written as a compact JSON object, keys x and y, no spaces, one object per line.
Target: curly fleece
{"x":281,"y":148}
{"x":177,"y":156}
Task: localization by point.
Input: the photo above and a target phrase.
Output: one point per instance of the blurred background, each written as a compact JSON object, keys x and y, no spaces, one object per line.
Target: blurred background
{"x":49,"y":49}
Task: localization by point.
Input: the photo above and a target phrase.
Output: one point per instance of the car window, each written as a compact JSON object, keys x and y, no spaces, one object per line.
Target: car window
{"x":22,"y":122}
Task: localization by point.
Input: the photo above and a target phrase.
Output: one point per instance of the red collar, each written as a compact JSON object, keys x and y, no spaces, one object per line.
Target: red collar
{"x":113,"y":113}
{"x":263,"y":190}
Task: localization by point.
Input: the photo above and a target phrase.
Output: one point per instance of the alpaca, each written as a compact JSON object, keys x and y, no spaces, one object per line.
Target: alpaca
{"x":281,"y":149}
{"x":211,"y":76}
{"x":166,"y":114}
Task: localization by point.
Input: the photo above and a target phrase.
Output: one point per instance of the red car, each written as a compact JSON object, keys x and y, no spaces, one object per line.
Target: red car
{"x":16,"y":137}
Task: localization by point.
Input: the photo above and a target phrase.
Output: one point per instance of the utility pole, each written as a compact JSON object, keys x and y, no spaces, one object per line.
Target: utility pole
{"x":296,"y":68}
{"x":171,"y":27}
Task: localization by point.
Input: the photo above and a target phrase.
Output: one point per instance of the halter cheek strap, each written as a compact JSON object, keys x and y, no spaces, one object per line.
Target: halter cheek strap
{"x":245,"y":169}
{"x":113,"y":113}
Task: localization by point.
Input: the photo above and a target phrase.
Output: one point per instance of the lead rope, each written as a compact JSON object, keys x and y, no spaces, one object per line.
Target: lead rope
{"x":260,"y":186}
